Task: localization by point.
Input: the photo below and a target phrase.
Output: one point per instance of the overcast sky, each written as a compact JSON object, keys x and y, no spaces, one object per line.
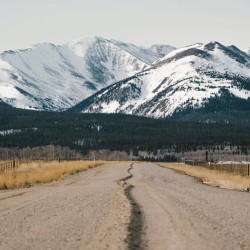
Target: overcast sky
{"x":143,"y":22}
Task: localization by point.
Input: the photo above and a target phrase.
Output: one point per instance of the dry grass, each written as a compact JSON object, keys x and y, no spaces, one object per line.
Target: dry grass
{"x":212,"y":177}
{"x":43,"y":172}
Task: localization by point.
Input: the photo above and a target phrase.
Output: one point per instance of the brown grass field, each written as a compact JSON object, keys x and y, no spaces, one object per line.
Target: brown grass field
{"x":212,"y":177}
{"x":29,"y":174}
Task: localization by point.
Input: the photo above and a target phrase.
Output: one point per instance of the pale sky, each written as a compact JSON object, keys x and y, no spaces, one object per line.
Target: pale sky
{"x":143,"y":22}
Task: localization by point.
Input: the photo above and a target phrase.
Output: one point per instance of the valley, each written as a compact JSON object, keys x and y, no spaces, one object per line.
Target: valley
{"x":38,"y":135}
{"x":124,"y":125}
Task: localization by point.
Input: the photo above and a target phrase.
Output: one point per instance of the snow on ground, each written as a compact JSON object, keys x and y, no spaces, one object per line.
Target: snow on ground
{"x":10,"y":131}
{"x":245,"y":94}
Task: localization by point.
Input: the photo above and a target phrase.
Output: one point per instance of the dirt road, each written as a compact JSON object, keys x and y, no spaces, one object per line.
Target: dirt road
{"x":181,"y":213}
{"x":157,"y":209}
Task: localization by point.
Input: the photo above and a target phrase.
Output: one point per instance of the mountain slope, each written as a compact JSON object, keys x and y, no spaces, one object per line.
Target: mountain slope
{"x":50,"y":77}
{"x":147,"y":55}
{"x":190,"y":78}
{"x":56,"y":77}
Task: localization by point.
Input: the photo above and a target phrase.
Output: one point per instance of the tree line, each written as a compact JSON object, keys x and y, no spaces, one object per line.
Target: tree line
{"x":84,"y":132}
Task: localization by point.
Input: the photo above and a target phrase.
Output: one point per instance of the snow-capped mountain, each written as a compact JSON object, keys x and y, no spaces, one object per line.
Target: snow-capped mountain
{"x":187,"y":78}
{"x":145,"y":54}
{"x":161,"y":50}
{"x":50,"y":77}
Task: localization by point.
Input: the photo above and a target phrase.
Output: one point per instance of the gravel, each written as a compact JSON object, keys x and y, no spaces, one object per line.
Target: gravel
{"x":85,"y":211}
{"x":92,"y":210}
{"x":181,"y":213}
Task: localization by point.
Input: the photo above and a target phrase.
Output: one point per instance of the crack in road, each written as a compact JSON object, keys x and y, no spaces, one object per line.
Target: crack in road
{"x":135,"y":227}
{"x":150,"y":208}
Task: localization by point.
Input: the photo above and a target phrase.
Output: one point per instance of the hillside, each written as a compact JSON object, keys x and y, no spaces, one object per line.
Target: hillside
{"x":209,"y":77}
{"x":51,"y":77}
{"x":23,"y":128}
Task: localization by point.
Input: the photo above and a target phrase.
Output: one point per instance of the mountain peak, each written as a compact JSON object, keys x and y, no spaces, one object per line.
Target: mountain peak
{"x":147,"y":55}
{"x":80,"y":45}
{"x":184,"y":52}
{"x":44,"y":44}
{"x":50,"y":77}
{"x":211,"y":46}
{"x":87,"y":39}
{"x":161,"y":49}
{"x":34,"y":46}
{"x":188,"y":78}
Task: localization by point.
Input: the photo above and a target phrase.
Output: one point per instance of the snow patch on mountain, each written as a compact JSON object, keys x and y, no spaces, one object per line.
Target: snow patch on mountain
{"x":186,"y":77}
{"x":147,"y":55}
{"x":50,"y":77}
{"x":161,"y":49}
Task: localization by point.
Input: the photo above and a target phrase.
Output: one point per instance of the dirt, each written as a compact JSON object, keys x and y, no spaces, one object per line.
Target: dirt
{"x":86,"y":211}
{"x":119,"y":206}
{"x":181,"y":213}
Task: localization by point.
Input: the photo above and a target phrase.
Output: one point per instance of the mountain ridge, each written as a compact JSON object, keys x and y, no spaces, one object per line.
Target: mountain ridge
{"x":186,"y":78}
{"x":50,"y":77}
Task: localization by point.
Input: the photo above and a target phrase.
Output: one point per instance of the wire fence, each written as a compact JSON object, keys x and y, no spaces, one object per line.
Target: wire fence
{"x":241,"y":169}
{"x":9,"y":165}
{"x":13,"y":165}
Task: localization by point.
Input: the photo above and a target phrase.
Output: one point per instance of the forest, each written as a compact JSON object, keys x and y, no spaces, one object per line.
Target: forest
{"x":83,"y":132}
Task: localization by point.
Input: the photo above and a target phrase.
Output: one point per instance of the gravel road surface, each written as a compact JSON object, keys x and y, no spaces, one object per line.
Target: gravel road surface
{"x":117,"y":206}
{"x":181,"y":213}
{"x":86,"y":211}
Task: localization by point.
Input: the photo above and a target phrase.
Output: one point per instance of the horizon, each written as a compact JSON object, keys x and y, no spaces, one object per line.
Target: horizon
{"x":119,"y":40}
{"x":24,"y":24}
